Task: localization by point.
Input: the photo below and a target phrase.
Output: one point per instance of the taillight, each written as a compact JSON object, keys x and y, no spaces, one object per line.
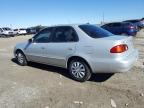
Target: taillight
{"x":131,"y":27}
{"x":119,"y":48}
{"x":142,"y":21}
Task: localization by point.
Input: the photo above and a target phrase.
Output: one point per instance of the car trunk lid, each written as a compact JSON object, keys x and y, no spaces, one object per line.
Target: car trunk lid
{"x":103,"y":46}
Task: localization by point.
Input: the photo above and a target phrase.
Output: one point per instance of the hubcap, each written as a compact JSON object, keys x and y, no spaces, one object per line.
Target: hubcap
{"x":20,"y":58}
{"x":78,"y":70}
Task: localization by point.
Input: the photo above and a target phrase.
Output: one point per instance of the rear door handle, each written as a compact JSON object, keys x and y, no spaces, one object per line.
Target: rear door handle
{"x":43,"y":48}
{"x":70,"y":49}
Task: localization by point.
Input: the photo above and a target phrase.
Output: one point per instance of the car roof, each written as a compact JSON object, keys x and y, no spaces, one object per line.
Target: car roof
{"x":132,"y":20}
{"x":72,"y":25}
{"x":114,"y":23}
{"x":118,"y":23}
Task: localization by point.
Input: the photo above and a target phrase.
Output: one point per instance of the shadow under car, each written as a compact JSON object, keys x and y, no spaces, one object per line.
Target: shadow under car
{"x":98,"y":77}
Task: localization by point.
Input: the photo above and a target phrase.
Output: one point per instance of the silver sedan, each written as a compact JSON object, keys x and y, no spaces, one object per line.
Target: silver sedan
{"x":82,"y":49}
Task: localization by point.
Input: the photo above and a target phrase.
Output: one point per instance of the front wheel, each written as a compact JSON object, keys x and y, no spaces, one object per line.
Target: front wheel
{"x":79,"y":70}
{"x":21,"y":59}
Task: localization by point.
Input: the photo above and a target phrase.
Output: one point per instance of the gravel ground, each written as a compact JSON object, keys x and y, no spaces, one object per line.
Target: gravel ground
{"x":41,"y":86}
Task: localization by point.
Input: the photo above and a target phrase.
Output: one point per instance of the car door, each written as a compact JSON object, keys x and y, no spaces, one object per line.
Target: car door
{"x":62,"y":46}
{"x":37,"y":50}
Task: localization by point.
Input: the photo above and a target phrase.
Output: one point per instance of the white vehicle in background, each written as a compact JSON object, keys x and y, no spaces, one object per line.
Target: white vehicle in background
{"x":20,"y":31}
{"x":7,"y":32}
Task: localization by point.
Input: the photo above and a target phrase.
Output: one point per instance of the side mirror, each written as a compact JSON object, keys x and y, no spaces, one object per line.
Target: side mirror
{"x":30,"y":40}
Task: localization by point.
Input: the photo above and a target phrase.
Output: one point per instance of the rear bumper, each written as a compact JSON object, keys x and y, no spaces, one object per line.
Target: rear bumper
{"x":132,"y":32}
{"x":117,"y":65}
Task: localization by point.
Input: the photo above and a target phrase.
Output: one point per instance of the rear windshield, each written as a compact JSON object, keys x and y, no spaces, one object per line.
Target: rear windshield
{"x":128,"y":24}
{"x":132,"y":21}
{"x":94,"y":31}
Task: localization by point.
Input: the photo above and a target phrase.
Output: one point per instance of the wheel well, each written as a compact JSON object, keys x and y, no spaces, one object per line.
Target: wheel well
{"x":19,"y":50}
{"x":79,"y":58}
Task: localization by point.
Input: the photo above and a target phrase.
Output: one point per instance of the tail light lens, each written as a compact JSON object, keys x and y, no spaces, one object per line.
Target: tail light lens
{"x":131,"y":27}
{"x":142,"y":21}
{"x":119,"y":48}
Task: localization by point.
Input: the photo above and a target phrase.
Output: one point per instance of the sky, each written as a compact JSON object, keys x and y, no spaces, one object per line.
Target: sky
{"x":26,"y":13}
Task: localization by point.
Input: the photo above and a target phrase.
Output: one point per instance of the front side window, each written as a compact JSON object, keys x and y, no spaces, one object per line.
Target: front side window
{"x":64,"y":34}
{"x":94,"y":31}
{"x":43,"y":36}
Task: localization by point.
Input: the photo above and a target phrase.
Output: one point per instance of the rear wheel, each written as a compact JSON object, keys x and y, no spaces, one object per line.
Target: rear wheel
{"x":79,"y":70}
{"x":21,"y":59}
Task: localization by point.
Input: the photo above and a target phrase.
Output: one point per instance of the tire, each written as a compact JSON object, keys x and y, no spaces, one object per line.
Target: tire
{"x":139,"y":28}
{"x":21,"y":59}
{"x":3,"y":36}
{"x":79,"y":70}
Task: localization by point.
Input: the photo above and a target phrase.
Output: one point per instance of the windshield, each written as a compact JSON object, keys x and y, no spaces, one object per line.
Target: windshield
{"x":95,"y":32}
{"x":6,"y":29}
{"x":22,"y":29}
{"x":15,"y":29}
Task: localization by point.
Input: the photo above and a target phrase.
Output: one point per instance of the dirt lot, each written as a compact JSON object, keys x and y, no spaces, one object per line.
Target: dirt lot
{"x":41,"y":86}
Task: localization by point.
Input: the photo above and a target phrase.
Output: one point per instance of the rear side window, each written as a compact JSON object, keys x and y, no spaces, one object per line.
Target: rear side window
{"x":94,"y":31}
{"x":65,"y":34}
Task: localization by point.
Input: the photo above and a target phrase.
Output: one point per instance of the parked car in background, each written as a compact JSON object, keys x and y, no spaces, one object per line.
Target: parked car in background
{"x":31,"y":31}
{"x":82,"y":49}
{"x":35,"y":29}
{"x":20,"y":31}
{"x":121,"y":28}
{"x":138,"y":22}
{"x":7,"y":32}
